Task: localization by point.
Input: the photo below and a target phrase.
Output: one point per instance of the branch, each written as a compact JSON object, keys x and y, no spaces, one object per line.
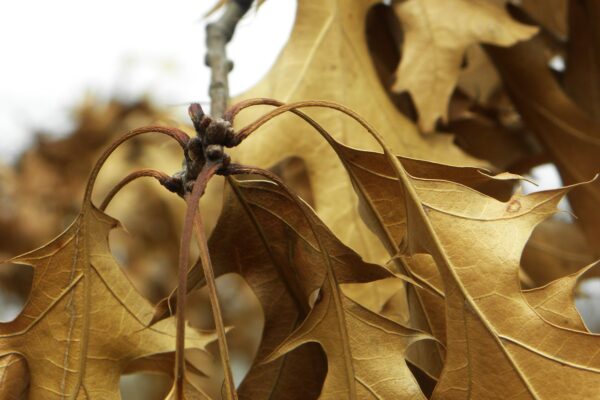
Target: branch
{"x":218,"y":34}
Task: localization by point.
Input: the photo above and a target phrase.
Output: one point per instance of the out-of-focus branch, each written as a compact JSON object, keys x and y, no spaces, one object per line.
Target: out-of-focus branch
{"x":218,"y":34}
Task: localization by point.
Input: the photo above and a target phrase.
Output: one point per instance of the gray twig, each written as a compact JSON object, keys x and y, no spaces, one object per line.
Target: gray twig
{"x":218,"y":34}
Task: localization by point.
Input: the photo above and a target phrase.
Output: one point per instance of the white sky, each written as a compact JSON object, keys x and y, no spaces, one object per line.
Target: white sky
{"x":53,"y":51}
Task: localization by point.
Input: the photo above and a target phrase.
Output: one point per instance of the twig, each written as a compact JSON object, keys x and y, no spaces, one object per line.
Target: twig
{"x":218,"y":34}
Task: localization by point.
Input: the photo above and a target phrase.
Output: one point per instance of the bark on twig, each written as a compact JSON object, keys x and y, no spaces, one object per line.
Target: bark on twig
{"x":218,"y":34}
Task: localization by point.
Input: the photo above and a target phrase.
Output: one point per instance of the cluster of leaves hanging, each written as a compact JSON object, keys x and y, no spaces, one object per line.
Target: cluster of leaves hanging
{"x":405,"y":279}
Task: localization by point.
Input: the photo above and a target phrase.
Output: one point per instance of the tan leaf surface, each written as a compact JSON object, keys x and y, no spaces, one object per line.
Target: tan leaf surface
{"x":373,"y":180}
{"x":357,"y":368}
{"x":379,"y":194}
{"x":479,"y":79}
{"x":376,"y":295}
{"x":569,"y":134}
{"x":327,"y":58}
{"x":84,"y":321}
{"x":555,"y":302}
{"x":14,"y":377}
{"x":504,"y":342}
{"x":262,"y":237}
{"x":498,"y":345}
{"x":265,"y":237}
{"x":345,"y":330}
{"x":496,"y":341}
{"x":556,"y":248}
{"x":437,"y":34}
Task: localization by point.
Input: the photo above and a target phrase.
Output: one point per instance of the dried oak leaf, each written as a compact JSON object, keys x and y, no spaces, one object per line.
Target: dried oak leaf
{"x":498,"y":345}
{"x":41,"y":197}
{"x":551,"y":14}
{"x":84,"y":322}
{"x":263,"y":237}
{"x":345,"y":330}
{"x":479,"y":79}
{"x":549,"y":300}
{"x":275,"y":244}
{"x":327,"y":57}
{"x":582,"y":74}
{"x":436,"y":36}
{"x":14,"y":377}
{"x":506,"y":149}
{"x":569,"y":134}
{"x":365,"y":351}
{"x":556,"y":248}
{"x":380,"y":194}
{"x":555,"y":301}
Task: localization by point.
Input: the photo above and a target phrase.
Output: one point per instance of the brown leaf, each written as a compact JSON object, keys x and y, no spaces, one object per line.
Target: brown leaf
{"x":480,"y":270}
{"x":491,"y":313}
{"x":555,"y":302}
{"x":485,"y":138}
{"x":374,"y":181}
{"x":379,"y":195}
{"x":437,"y":34}
{"x":375,"y":296}
{"x":357,"y":368}
{"x":14,"y":377}
{"x":582,"y":75}
{"x":567,"y":132}
{"x":549,"y":301}
{"x":556,"y":248}
{"x":265,"y":236}
{"x":41,"y":197}
{"x":551,"y":14}
{"x":280,"y":247}
{"x":84,"y":321}
{"x":327,"y":57}
{"x":497,"y":344}
{"x":344,"y":329}
{"x":377,"y":187}
{"x":261,"y":236}
{"x":479,"y":79}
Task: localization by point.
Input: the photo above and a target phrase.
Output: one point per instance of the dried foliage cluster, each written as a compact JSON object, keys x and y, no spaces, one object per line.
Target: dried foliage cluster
{"x":377,"y":249}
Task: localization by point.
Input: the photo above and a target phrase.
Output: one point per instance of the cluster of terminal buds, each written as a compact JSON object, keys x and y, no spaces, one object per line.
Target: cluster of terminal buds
{"x":212,"y":136}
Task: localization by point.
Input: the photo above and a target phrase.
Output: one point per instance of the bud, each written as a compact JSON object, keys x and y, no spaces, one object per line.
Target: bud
{"x":198,"y":117}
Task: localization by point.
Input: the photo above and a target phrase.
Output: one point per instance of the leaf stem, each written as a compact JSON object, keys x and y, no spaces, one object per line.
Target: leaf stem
{"x":180,"y":136}
{"x":293,"y":107}
{"x":330,"y":274}
{"x":192,"y":219}
{"x":161,"y":177}
{"x":209,"y":277}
